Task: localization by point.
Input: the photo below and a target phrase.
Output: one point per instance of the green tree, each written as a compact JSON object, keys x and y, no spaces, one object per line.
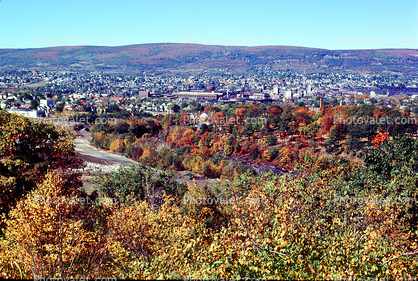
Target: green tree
{"x":175,"y":107}
{"x":338,"y":132}
{"x":393,"y":158}
{"x":59,"y":107}
{"x":271,"y":140}
{"x":140,"y":183}
{"x":34,"y":104}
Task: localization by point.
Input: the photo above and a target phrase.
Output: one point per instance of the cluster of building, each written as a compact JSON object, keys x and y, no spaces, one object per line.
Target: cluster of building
{"x":78,"y":92}
{"x":24,"y":106}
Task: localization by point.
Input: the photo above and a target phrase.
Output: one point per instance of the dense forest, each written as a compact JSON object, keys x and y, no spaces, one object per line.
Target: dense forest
{"x":218,"y":141}
{"x":343,"y":207}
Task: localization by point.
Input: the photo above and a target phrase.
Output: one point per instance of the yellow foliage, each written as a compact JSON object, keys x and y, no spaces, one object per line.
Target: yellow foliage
{"x":45,"y":240}
{"x":146,"y":153}
{"x":266,"y":155}
{"x":114,"y":145}
{"x":167,"y":239}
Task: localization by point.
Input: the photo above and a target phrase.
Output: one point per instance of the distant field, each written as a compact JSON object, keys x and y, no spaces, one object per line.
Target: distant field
{"x":40,"y":84}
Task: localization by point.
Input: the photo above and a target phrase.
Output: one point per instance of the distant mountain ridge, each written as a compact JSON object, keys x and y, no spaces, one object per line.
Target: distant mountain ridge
{"x":178,"y":58}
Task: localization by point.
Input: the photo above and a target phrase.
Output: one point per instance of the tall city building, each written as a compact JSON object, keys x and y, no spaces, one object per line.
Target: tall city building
{"x":309,"y":91}
{"x":276,"y":89}
{"x":288,"y":94}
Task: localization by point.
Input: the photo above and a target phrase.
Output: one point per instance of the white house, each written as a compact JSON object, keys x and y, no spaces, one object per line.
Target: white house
{"x":46,"y":103}
{"x":28,"y":113}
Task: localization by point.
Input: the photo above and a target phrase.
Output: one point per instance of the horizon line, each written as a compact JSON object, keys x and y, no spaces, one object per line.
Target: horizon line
{"x":196,"y":44}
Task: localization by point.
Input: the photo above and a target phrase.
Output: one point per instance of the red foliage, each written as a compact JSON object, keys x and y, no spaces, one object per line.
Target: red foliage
{"x":221,"y":166}
{"x":328,"y":122}
{"x":274,"y":111}
{"x":301,"y":119}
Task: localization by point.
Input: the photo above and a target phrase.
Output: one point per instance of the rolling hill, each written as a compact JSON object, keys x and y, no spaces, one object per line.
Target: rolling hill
{"x":165,"y":58}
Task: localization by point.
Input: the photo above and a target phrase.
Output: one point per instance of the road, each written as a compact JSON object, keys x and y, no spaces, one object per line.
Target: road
{"x":100,"y":161}
{"x":83,"y":147}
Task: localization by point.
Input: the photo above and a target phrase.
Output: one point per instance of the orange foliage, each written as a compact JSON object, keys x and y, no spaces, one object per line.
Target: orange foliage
{"x":185,"y":119}
{"x":302,"y":110}
{"x":188,"y":136}
{"x":379,"y":139}
{"x":240,"y":113}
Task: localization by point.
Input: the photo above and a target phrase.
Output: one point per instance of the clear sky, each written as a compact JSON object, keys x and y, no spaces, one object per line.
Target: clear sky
{"x":329,"y":24}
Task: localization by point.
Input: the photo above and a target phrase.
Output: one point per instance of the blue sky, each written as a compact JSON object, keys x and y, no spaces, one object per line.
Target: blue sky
{"x":348,"y":24}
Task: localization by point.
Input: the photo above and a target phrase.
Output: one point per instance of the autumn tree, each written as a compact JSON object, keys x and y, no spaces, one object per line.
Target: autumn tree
{"x":117,"y":145}
{"x":240,"y":112}
{"x":47,"y":236}
{"x":27,"y":151}
{"x":219,"y":120}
